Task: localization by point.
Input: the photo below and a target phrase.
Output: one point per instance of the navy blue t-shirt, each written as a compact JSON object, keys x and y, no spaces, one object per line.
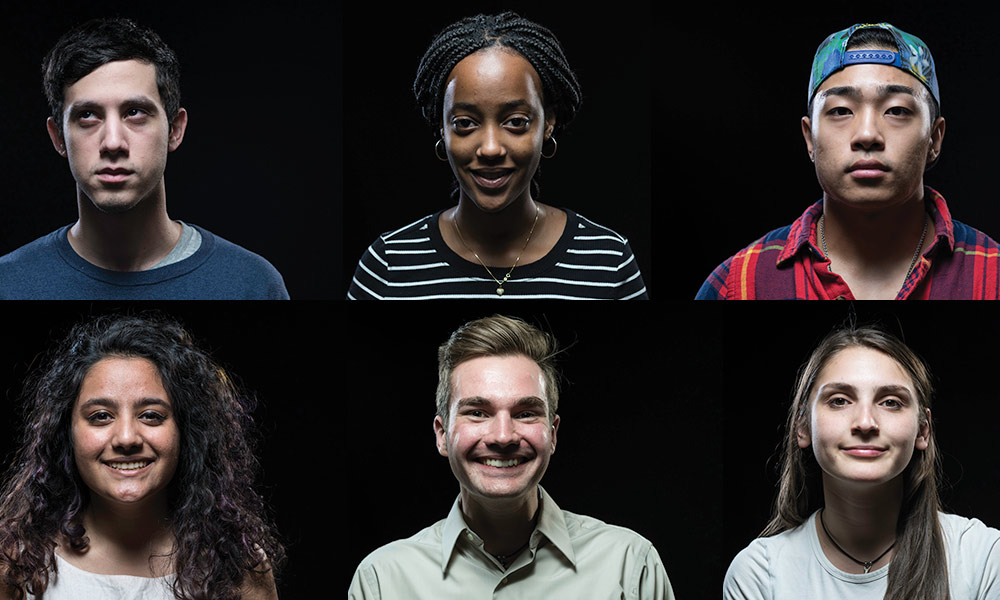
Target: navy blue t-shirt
{"x":49,"y":269}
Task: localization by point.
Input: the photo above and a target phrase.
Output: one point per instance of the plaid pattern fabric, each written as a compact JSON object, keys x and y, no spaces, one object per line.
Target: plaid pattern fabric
{"x":787,"y":264}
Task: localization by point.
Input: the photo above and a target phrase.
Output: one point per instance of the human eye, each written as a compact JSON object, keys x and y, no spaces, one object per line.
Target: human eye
{"x":152,"y":417}
{"x":837,"y":401}
{"x":462,"y":124}
{"x":892,"y":403}
{"x":99,"y":418}
{"x":899,"y":111}
{"x":85,"y":117}
{"x":136,"y":113}
{"x":839,"y":111}
{"x":518,"y":123}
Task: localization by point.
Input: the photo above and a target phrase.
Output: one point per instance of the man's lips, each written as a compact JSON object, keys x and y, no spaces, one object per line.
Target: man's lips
{"x":113,"y":174}
{"x":501,"y":461}
{"x":868,"y":168}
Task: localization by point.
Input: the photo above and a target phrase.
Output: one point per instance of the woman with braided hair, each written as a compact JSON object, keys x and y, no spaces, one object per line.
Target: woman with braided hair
{"x":497,"y":90}
{"x":133,"y":475}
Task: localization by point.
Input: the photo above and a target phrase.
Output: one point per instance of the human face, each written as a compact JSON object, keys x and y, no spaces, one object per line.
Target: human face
{"x":865,"y":419}
{"x":494,"y":126}
{"x":125,"y":438}
{"x":871,"y":136}
{"x":116,"y":135}
{"x":498,"y":439}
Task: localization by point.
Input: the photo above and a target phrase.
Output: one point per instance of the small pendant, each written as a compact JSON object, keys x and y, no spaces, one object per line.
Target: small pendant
{"x":499,"y":291}
{"x":868,"y":567}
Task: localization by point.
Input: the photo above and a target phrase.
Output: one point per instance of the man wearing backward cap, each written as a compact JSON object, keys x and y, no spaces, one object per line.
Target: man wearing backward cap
{"x":873,"y":126}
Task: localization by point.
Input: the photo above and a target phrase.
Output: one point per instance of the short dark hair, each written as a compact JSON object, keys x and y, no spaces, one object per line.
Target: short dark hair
{"x":560,"y":89}
{"x":100,"y":41}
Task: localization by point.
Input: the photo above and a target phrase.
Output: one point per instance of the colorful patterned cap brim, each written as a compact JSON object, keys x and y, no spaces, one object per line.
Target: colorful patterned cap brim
{"x":913,"y":56}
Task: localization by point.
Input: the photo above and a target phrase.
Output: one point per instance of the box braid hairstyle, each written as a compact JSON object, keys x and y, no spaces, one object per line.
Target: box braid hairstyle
{"x":561,"y":94}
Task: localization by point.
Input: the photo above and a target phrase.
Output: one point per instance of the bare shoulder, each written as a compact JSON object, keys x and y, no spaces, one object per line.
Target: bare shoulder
{"x":257,"y":586}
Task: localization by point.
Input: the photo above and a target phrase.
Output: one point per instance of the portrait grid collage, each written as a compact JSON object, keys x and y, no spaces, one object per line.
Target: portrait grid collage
{"x":204,"y":402}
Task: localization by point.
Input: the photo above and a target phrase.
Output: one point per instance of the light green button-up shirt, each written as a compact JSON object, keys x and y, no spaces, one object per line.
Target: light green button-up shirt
{"x":569,"y":556}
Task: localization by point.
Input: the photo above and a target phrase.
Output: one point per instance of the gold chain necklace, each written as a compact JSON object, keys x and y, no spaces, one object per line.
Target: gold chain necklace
{"x":516,"y":260}
{"x":913,"y":261}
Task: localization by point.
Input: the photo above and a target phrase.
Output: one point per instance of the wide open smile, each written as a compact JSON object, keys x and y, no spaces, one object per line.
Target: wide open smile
{"x":502,"y":463}
{"x":491,"y":179}
{"x":128,"y":466}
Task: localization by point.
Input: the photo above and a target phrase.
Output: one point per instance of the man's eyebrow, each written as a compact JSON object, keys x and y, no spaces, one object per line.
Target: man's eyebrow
{"x":475,"y":401}
{"x":144,"y":102}
{"x":850,"y":91}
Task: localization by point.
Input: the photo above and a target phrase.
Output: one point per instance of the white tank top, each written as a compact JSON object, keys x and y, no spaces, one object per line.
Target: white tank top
{"x":72,"y":583}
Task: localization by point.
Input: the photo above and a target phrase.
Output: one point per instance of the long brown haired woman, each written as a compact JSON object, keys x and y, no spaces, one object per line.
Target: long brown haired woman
{"x":860,"y":428}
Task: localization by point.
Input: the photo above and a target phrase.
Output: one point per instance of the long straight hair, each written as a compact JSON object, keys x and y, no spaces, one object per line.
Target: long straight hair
{"x":919,"y":569}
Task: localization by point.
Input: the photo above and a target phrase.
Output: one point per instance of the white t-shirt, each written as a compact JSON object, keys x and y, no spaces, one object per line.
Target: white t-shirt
{"x":792,"y":566}
{"x":73,"y":583}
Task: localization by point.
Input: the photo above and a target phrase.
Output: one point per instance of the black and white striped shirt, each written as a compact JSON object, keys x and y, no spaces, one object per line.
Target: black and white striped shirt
{"x":589,"y":262}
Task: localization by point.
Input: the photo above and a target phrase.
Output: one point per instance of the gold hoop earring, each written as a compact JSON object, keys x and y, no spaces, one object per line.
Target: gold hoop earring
{"x":437,"y":151}
{"x":555,"y":147}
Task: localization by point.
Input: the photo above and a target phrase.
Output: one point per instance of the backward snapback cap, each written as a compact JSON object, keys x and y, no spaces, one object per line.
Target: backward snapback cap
{"x":913,"y":56}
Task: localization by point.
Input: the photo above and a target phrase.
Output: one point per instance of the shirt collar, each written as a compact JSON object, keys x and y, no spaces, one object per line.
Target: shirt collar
{"x":803,"y":234}
{"x":551,"y":524}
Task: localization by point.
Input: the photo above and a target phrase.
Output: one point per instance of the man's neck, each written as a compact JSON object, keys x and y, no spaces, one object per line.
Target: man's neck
{"x":873,"y":250}
{"x":505,"y":525}
{"x":133,"y":240}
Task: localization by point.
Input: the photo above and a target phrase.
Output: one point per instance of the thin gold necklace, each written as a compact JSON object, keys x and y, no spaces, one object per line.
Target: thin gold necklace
{"x":516,"y":260}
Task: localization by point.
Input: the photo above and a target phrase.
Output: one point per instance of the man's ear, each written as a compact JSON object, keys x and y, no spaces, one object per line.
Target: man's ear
{"x":808,"y":136}
{"x":177,"y":127}
{"x":56,"y":136}
{"x":441,"y":436}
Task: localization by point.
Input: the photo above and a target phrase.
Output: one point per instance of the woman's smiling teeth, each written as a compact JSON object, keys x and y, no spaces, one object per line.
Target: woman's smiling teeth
{"x":128,"y":466}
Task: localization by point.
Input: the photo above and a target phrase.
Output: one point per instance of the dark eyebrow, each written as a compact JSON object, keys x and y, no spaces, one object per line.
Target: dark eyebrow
{"x":851,"y":91}
{"x":510,"y":105}
{"x":108,"y":403}
{"x":889,"y":389}
{"x":527,"y":401}
{"x":143,"y":102}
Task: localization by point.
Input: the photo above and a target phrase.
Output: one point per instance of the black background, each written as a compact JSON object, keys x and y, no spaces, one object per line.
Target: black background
{"x":260,"y":162}
{"x":638,"y":442}
{"x":304,"y":145}
{"x":734,"y":94}
{"x":601,"y":170}
{"x":762,"y":360}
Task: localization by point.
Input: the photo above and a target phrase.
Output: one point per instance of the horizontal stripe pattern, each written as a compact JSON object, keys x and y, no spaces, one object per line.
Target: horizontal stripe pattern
{"x":589,"y":262}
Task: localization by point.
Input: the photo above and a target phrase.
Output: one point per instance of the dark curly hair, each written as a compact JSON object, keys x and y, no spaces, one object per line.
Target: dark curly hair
{"x":99,"y":41}
{"x":221,"y":532}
